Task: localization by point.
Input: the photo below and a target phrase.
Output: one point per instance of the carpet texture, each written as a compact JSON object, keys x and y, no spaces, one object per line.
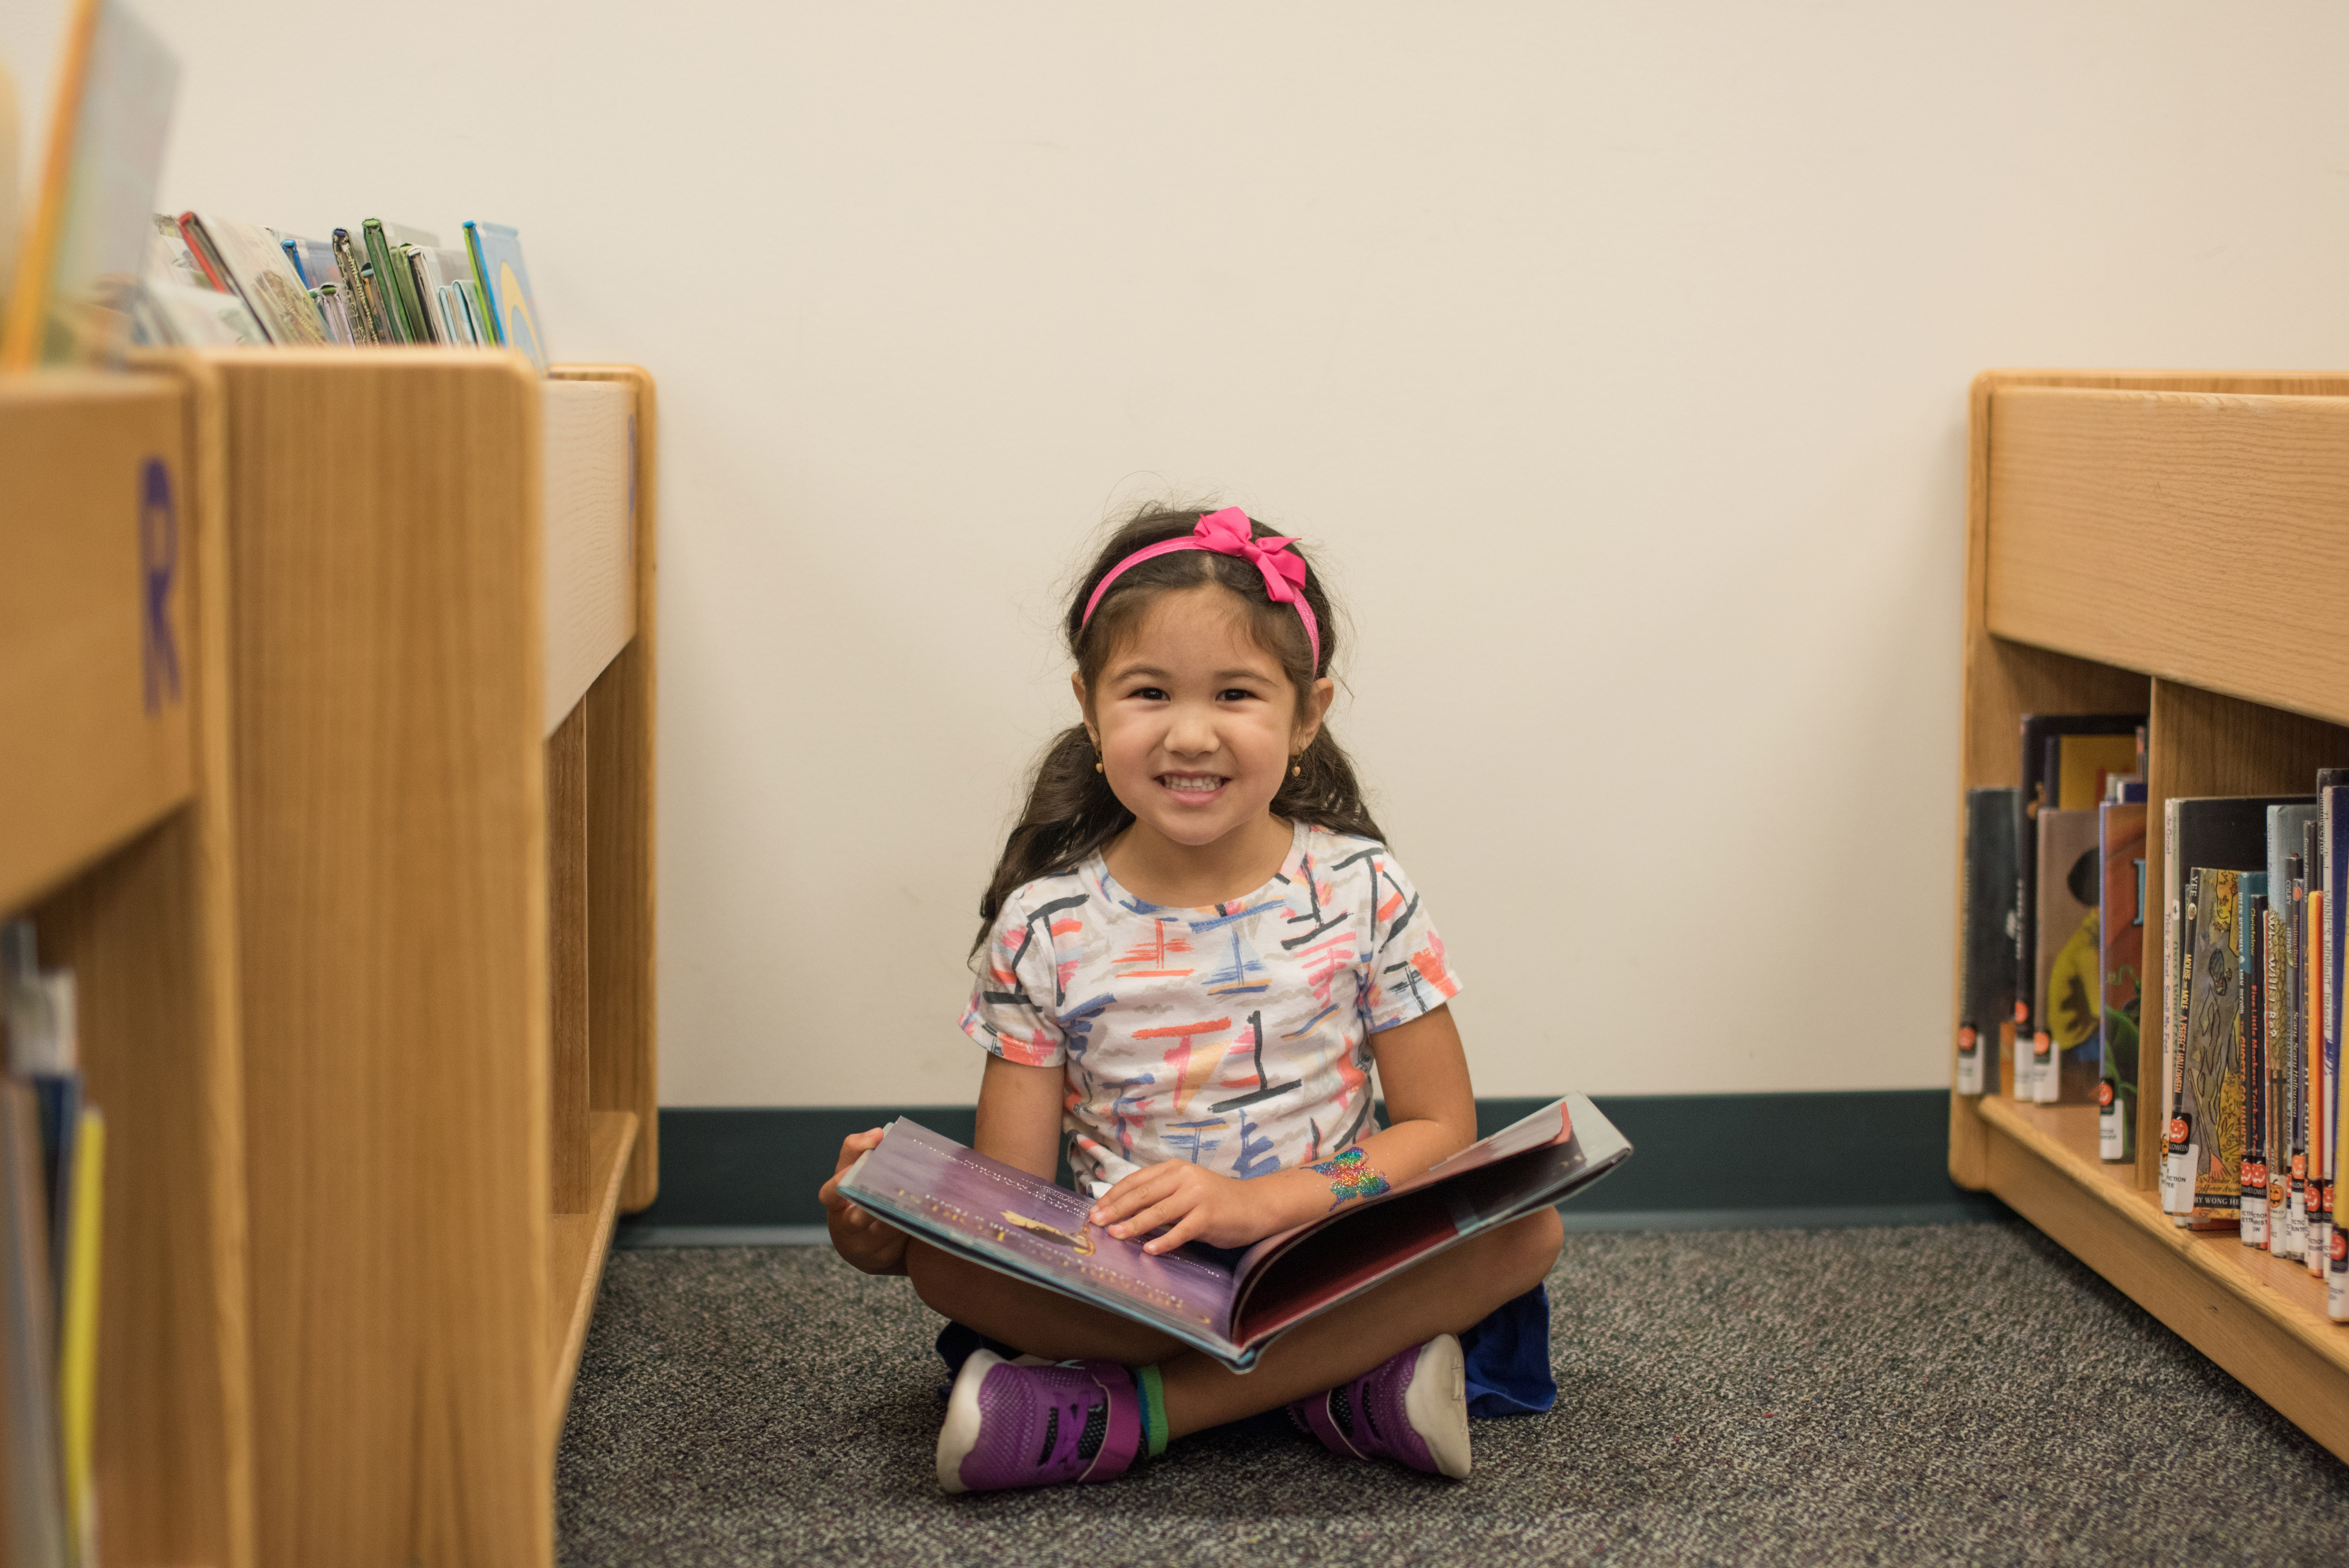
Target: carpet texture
{"x":1928,"y":1394}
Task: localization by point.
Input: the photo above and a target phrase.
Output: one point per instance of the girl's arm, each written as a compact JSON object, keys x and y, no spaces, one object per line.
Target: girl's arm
{"x":1424,"y":1073}
{"x":1019,"y":1116}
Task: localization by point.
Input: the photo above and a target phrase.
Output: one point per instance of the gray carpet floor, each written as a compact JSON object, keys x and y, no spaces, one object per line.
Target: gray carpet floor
{"x":1928,"y":1394}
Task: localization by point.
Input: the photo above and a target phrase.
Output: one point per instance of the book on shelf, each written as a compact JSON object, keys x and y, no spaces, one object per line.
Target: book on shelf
{"x":2328,"y":915}
{"x":52,"y":1147}
{"x":2066,"y":978}
{"x":496,"y":251}
{"x":70,"y":298}
{"x":52,"y":1191}
{"x":2066,"y":759}
{"x":205,"y":280}
{"x":2218,"y":833}
{"x":245,"y":260}
{"x":2120,"y":853}
{"x":2287,"y":1048}
{"x":1229,"y":1308}
{"x":2250,"y":1047}
{"x":1986,"y":950}
{"x":2209,"y":1074}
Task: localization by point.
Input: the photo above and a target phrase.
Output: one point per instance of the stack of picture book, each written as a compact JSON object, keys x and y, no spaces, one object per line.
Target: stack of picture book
{"x":2249,"y":918}
{"x":52,"y":1157}
{"x":86,"y":268}
{"x":209,"y":280}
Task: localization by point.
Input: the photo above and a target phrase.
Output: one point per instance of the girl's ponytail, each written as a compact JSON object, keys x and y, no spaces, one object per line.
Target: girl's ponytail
{"x":1072,"y":811}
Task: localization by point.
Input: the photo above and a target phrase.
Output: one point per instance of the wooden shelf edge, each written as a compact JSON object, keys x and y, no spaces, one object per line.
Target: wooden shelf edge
{"x":577,"y":1245}
{"x":2201,"y":1286}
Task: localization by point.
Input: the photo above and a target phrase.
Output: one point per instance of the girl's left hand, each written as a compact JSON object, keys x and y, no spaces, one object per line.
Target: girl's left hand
{"x":1197,"y":1205}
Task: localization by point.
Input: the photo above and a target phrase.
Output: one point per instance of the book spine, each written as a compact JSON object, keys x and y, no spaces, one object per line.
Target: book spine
{"x":2113,"y":1107}
{"x":2177,"y":1177}
{"x":386,"y":298}
{"x":2276,"y":1072}
{"x":338,"y":321}
{"x":415,"y":287}
{"x":2250,"y":1028}
{"x":2026,"y":959}
{"x":2336,"y":1239}
{"x":1969,"y":915}
{"x":353,"y":292}
{"x":2295,"y":1129}
{"x":36,"y":1525}
{"x":2320,"y":1146}
{"x":483,"y":287}
{"x":2326,"y":907}
{"x":78,"y":1331}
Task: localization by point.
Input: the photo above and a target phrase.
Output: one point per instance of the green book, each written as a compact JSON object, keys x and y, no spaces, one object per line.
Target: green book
{"x":391,"y":280}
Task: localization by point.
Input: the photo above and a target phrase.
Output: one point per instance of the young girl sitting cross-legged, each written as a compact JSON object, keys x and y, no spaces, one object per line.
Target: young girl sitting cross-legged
{"x":1195,"y":950}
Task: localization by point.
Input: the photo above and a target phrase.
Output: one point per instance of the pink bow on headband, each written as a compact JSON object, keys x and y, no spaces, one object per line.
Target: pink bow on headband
{"x":1226,"y":533}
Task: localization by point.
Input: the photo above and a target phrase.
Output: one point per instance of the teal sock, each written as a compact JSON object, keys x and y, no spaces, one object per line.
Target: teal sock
{"x":1152,"y":1395}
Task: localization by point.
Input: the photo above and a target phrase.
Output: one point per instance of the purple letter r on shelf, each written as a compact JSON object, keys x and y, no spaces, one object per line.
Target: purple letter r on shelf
{"x":159,"y":559}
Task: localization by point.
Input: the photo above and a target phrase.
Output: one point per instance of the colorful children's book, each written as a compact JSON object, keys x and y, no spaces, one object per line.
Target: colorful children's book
{"x":314,"y":260}
{"x":2321,"y":1151}
{"x":2212,"y":1077}
{"x":2228,"y":832}
{"x":2287,"y":1049}
{"x":2110,"y":747}
{"x":357,"y":309}
{"x":2250,"y":1044}
{"x":994,"y":1214}
{"x":396,"y":311}
{"x":250,"y":263}
{"x":2329,"y":916}
{"x":1986,"y":939}
{"x":2067,"y":979}
{"x":2120,"y":928}
{"x":496,"y":252}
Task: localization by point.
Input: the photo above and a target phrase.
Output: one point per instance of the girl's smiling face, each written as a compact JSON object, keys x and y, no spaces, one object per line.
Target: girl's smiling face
{"x":1196,"y":723}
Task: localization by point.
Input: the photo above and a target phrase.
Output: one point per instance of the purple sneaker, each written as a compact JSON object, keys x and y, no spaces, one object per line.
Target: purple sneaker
{"x":1009,"y":1425}
{"x":1411,"y":1407}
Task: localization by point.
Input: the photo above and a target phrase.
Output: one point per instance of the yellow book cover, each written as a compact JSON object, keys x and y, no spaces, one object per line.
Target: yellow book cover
{"x":2087,"y":762}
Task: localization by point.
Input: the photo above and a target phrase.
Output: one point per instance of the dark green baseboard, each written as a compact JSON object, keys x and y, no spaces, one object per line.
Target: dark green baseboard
{"x":1700,"y":1162}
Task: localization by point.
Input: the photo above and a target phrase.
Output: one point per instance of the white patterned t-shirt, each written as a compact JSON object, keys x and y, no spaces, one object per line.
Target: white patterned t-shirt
{"x":1235,"y":1036}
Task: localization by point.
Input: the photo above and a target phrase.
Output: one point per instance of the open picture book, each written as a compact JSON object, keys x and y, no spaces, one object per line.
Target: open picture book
{"x":980,"y":1209}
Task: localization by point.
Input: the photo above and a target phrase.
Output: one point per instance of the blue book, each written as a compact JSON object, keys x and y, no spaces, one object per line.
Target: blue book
{"x":496,"y":252}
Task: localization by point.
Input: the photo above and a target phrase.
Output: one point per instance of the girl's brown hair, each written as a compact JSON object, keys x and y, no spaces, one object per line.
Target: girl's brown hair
{"x":1072,"y":811}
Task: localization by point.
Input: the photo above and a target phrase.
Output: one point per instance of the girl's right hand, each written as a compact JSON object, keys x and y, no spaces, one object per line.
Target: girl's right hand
{"x":866,"y":1240}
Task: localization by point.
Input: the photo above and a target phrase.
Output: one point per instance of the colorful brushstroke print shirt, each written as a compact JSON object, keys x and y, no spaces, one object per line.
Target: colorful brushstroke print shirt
{"x":1233,"y":1037}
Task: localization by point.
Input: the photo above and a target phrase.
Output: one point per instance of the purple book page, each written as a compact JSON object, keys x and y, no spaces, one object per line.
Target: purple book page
{"x":1007,"y":1219}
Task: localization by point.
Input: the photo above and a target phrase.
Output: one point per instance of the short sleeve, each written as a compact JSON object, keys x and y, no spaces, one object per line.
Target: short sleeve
{"x":1013,"y":1008}
{"x":1409,"y":972}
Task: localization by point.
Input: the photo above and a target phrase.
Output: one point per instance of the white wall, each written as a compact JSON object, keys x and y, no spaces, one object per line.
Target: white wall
{"x":1612,"y":357}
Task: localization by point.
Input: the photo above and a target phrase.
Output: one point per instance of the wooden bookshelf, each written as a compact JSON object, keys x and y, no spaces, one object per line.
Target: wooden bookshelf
{"x":2171,"y":543}
{"x":117,"y":835}
{"x":441,"y":678}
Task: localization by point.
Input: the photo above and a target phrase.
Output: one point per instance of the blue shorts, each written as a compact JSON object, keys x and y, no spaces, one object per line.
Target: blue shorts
{"x":1507,"y":1357}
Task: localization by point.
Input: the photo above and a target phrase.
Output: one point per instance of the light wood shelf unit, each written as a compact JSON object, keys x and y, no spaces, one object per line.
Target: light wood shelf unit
{"x":2174,"y":543}
{"x":117,"y":835}
{"x":442,"y":662}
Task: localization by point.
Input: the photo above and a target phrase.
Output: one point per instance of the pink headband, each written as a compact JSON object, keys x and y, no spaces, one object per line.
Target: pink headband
{"x":1226,"y":533}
